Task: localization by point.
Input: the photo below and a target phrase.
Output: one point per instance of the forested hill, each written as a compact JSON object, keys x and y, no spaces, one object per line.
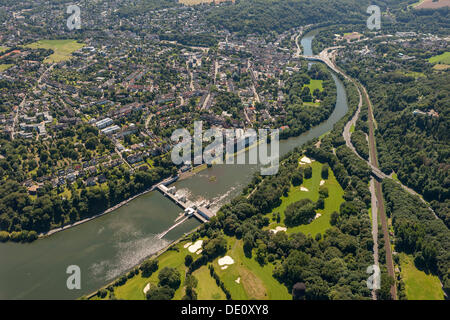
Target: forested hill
{"x":411,"y":96}
{"x":263,"y":16}
{"x":267,"y":16}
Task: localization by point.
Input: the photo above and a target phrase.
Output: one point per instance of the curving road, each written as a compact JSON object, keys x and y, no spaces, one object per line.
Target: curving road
{"x":327,"y":57}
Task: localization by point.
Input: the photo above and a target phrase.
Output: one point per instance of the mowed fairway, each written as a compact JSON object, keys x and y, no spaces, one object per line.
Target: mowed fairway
{"x":63,"y":49}
{"x":255,"y":281}
{"x":418,"y":284}
{"x":332,"y":203}
{"x":133,"y":288}
{"x":207,"y":289}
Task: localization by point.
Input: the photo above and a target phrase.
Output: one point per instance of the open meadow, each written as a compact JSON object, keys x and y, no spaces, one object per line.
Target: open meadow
{"x":63,"y":49}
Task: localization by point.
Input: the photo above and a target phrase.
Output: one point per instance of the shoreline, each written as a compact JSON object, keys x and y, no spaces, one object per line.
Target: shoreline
{"x":182,"y":176}
{"x":155,"y":255}
{"x":109,"y":210}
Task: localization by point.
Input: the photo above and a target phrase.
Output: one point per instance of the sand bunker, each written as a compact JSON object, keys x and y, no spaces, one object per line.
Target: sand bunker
{"x":224,"y":267}
{"x":317,"y":216}
{"x":305,"y":160}
{"x":225,"y":260}
{"x":199,"y":251}
{"x":196,"y":246}
{"x":187,"y":244}
{"x":238,"y":280}
{"x":322,"y":182}
{"x":277,"y":229}
{"x":147,"y":287}
{"x":304,"y":189}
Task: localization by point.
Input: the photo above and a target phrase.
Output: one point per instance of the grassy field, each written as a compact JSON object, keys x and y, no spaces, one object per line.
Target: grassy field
{"x":416,"y":75}
{"x":311,"y":104}
{"x":314,"y":84}
{"x":133,"y":288}
{"x":395,"y":177}
{"x":440,"y":59}
{"x":418,"y":284}
{"x":63,"y":49}
{"x":4,"y":67}
{"x":255,"y":281}
{"x":207,"y":289}
{"x":332,"y":203}
{"x":3,"y":49}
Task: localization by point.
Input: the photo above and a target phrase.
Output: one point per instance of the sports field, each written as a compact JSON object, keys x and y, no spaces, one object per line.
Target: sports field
{"x":63,"y":49}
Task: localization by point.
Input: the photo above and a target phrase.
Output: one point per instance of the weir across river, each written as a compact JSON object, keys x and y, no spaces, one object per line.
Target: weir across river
{"x":190,"y":209}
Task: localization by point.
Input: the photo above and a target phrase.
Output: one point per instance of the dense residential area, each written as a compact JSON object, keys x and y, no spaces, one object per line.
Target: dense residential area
{"x":87,"y":117}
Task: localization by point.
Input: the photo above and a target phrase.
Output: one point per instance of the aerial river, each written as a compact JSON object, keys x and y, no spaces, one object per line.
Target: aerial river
{"x":108,"y":246}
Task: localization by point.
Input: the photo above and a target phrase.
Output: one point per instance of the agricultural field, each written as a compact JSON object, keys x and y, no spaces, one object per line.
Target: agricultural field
{"x":63,"y":49}
{"x":441,"y":67}
{"x":332,"y":203}
{"x":431,"y":4}
{"x":418,"y":284}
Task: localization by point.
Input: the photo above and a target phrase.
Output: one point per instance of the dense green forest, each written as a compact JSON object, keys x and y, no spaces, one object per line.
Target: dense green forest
{"x":411,"y":110}
{"x":266,"y":16}
{"x":300,"y":117}
{"x":418,"y":232}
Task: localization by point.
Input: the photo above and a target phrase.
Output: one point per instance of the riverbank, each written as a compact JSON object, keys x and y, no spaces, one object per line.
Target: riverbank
{"x":109,"y":210}
{"x":153,"y":256}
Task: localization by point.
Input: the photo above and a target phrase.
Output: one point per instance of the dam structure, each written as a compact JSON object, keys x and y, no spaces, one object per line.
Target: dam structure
{"x":201,"y":212}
